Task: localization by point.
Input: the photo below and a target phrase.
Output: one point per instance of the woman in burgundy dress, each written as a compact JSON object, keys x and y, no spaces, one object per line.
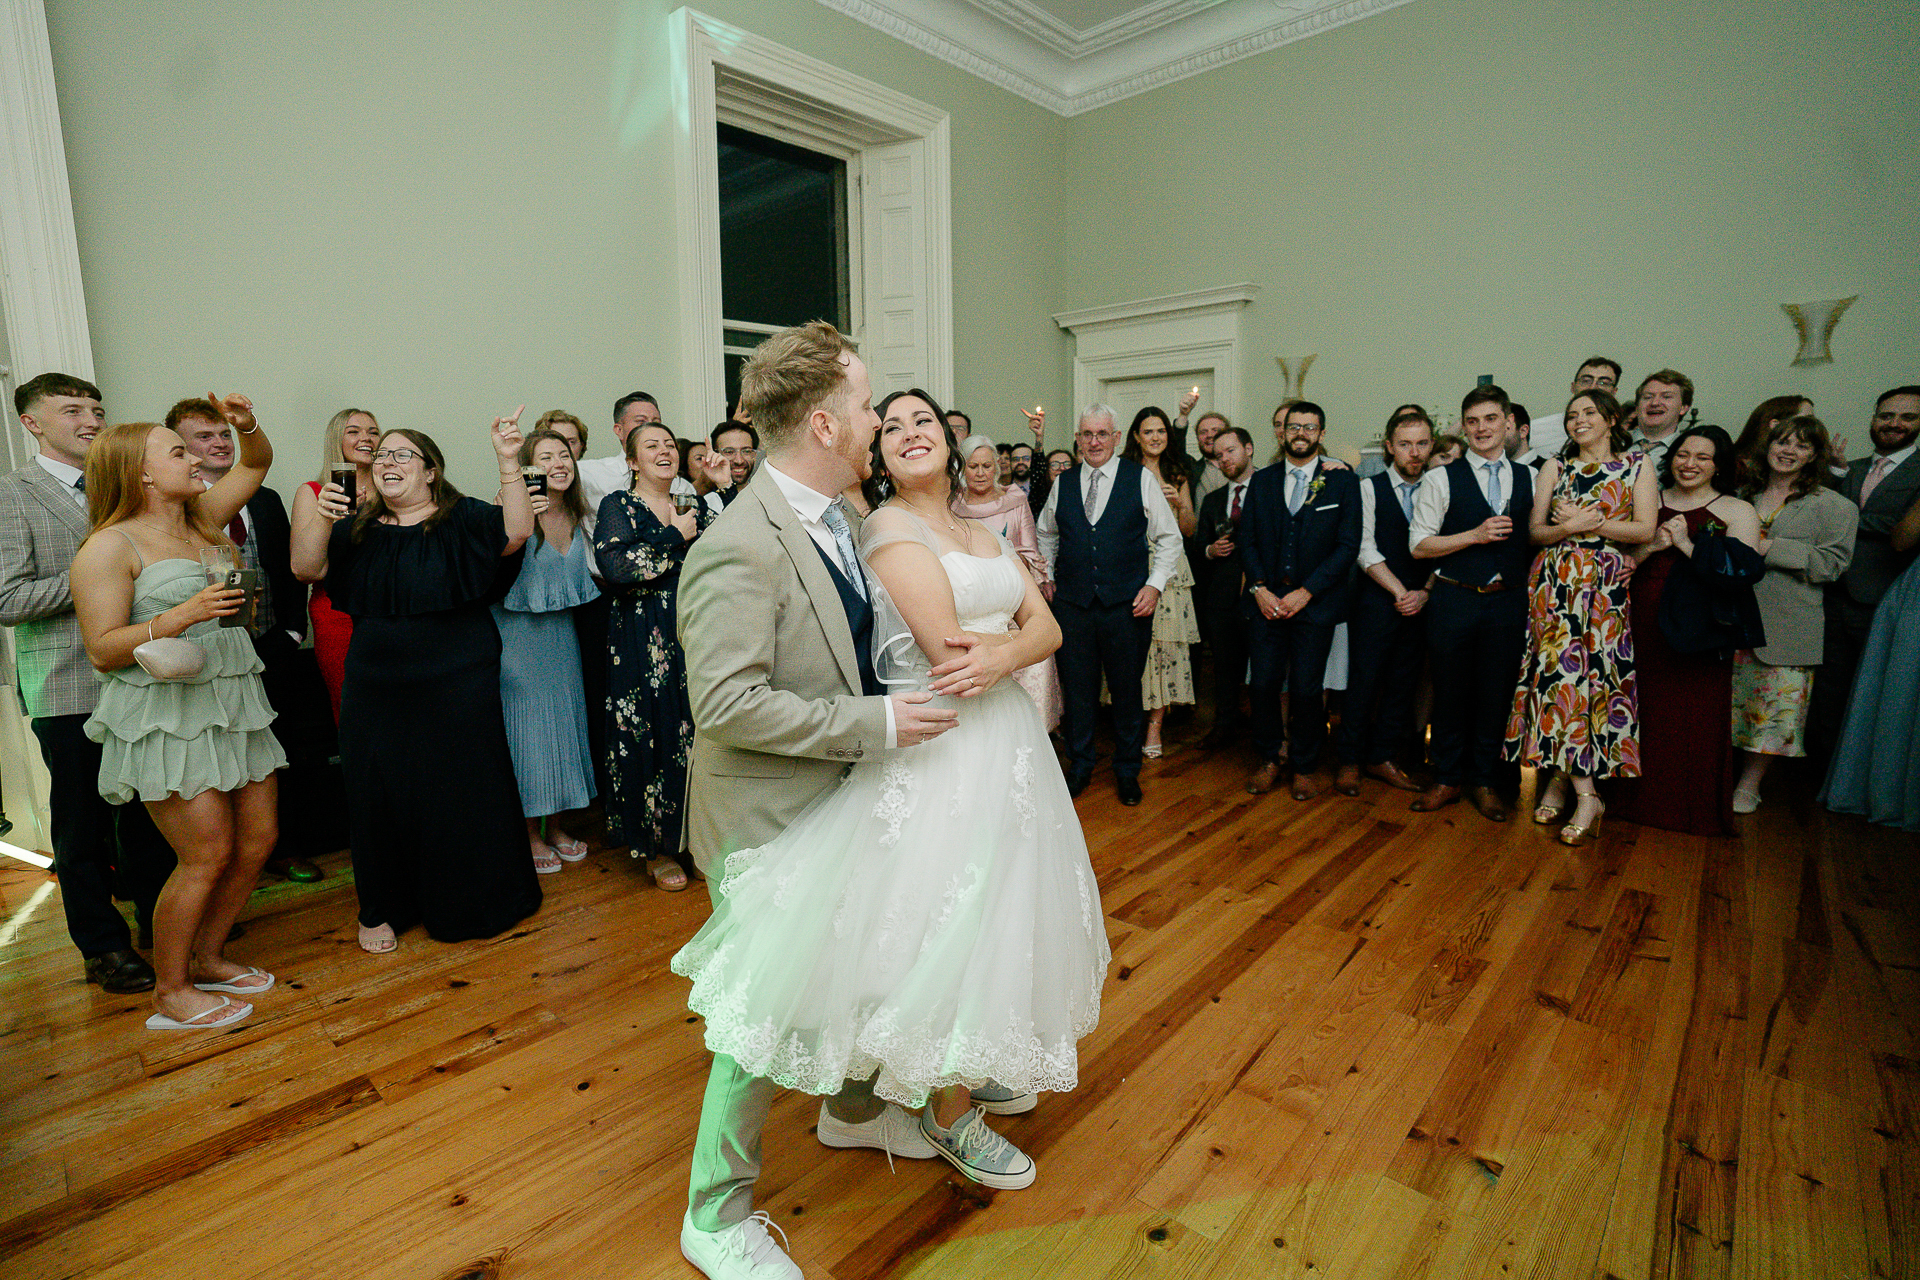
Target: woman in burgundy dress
{"x":1692,"y":606}
{"x":351,"y":437}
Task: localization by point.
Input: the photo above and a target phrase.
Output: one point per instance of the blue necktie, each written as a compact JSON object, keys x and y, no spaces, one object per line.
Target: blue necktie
{"x":1297,"y":480}
{"x":1406,"y":500}
{"x":1493,"y":486}
{"x":843,"y":539}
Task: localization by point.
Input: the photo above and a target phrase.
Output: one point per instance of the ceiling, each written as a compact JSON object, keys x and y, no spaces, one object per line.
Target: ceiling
{"x":1071,"y":56}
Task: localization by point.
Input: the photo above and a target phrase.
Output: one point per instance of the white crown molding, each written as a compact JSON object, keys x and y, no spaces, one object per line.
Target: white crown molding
{"x":40,"y":289}
{"x":1197,"y":302}
{"x":1013,"y":44}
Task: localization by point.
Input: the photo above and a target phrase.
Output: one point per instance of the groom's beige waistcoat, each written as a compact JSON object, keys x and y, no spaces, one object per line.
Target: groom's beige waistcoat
{"x":772,"y":677}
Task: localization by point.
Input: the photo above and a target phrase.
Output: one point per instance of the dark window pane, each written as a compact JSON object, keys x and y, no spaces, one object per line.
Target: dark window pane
{"x":783,"y":257}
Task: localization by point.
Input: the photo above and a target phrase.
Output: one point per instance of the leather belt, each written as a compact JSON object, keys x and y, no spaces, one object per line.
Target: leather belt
{"x":1489,"y":589}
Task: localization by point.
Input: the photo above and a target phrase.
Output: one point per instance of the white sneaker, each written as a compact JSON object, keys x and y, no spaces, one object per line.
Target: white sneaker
{"x":743,"y":1251}
{"x":997,"y":1100}
{"x":892,"y":1131}
{"x":1745,"y":801}
{"x":980,"y":1153}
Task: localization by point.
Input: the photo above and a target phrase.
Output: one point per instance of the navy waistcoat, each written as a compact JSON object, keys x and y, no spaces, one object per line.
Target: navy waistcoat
{"x":1104,"y":562}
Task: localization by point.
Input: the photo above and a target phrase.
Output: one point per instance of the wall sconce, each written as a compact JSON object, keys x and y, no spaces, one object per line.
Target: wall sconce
{"x":1815,"y":321}
{"x":1294,"y":370}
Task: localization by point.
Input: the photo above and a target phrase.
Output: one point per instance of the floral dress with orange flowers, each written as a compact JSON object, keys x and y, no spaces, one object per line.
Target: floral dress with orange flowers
{"x":1575,"y":708}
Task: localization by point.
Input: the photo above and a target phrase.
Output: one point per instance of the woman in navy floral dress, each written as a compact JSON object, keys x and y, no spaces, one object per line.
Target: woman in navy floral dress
{"x":640,"y":542}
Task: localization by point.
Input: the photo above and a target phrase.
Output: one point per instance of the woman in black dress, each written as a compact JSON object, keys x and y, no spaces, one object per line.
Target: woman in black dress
{"x":640,"y":542}
{"x":434,"y":810}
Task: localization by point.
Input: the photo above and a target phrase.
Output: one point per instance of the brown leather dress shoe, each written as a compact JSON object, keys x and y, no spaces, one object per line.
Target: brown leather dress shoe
{"x":1308,"y":785}
{"x":1347,"y":780}
{"x":1490,"y":805}
{"x":1390,"y":773}
{"x":1263,"y":779}
{"x":1437,"y":796}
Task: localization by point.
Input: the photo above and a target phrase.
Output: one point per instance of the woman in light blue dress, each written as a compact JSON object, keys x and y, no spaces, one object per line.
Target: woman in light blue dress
{"x":1876,"y":768}
{"x":188,"y":735}
{"x":540,"y":681}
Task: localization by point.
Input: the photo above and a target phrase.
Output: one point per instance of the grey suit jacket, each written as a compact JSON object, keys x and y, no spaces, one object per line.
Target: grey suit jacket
{"x":1812,"y":544}
{"x":1875,"y":563}
{"x":41,"y":529}
{"x":772,"y":677}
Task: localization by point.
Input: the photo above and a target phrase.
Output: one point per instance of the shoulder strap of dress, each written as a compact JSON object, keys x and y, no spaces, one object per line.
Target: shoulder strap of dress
{"x":136,"y":547}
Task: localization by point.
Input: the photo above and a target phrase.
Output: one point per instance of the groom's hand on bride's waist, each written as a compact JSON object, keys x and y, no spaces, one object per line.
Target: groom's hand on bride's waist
{"x":916,"y":720}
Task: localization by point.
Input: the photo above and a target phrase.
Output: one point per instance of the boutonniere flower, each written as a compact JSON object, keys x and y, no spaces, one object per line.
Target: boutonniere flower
{"x":1313,"y":489}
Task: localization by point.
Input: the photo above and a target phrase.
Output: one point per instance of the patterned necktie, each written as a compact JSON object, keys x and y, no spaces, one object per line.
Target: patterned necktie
{"x":843,"y":539}
{"x":237,"y":530}
{"x":1493,"y":486}
{"x":1093,"y":496}
{"x":1297,"y":486}
{"x":1237,"y":491}
{"x":1875,"y":475}
{"x":1406,"y":500}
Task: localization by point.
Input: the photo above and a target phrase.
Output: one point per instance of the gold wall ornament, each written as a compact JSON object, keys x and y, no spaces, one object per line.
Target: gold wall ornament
{"x":1814,"y":321}
{"x":1294,"y":370}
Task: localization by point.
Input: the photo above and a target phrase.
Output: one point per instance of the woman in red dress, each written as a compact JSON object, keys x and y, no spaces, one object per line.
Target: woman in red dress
{"x":351,"y":436}
{"x":1702,"y":556}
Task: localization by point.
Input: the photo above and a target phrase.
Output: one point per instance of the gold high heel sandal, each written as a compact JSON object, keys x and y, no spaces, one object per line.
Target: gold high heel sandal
{"x":1574,"y":834}
{"x":1548,"y":814}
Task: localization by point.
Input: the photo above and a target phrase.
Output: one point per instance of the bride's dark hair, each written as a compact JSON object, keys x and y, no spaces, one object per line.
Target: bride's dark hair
{"x":879,"y":486}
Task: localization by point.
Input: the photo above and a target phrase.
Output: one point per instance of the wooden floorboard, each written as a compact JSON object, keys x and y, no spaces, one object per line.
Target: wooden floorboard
{"x":1339,"y":1040}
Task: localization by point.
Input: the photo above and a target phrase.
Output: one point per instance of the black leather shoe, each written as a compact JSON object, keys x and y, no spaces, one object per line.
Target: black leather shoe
{"x":1078,"y":782}
{"x":1129,"y":789}
{"x":120,"y":973}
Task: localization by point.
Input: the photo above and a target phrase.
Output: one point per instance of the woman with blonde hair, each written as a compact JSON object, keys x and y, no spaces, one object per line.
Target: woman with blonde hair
{"x":351,"y":436}
{"x":182,"y":726}
{"x":1006,"y":513}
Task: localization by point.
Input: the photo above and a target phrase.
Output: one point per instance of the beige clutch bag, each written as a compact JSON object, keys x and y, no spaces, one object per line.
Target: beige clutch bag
{"x":170,"y":658}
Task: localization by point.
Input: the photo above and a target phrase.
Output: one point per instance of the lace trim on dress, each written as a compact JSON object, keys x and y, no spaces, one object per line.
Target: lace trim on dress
{"x":893,"y":806}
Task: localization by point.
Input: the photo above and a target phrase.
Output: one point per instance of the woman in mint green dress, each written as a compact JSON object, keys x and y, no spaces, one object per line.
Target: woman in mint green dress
{"x":194,"y":747}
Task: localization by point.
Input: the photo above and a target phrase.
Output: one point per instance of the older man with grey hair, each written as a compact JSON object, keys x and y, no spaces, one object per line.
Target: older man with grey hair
{"x":1111,"y":542}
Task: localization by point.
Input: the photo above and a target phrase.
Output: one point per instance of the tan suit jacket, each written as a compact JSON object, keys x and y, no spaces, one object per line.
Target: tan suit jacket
{"x":772,"y":677}
{"x":41,"y":529}
{"x":1812,"y":544}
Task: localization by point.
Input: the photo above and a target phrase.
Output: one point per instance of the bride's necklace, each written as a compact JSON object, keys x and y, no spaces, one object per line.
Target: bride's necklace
{"x":958,"y":530}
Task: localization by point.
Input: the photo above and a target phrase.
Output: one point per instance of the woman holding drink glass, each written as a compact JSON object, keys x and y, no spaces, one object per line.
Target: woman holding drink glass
{"x":438,"y":837}
{"x":182,"y":718}
{"x":640,"y":541}
{"x":346,"y":460}
{"x":540,"y":686}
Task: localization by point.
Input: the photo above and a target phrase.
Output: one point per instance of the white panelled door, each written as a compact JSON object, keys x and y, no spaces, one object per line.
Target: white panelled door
{"x":893,"y":221}
{"x":1130,"y":395}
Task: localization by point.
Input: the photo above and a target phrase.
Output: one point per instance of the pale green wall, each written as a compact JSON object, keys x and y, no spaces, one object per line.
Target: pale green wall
{"x":440,"y":210}
{"x":1459,"y":187}
{"x":437,"y":211}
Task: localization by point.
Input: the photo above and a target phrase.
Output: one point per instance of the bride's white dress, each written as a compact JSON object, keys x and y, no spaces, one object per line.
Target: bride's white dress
{"x":934,"y":917}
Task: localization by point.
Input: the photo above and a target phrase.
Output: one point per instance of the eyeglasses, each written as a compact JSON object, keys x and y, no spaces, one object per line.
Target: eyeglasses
{"x":1302,"y":429}
{"x":401,"y":456}
{"x":738,"y":453}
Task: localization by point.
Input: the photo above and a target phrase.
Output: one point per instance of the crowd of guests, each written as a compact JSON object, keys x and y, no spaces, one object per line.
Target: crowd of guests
{"x":1635,"y":604}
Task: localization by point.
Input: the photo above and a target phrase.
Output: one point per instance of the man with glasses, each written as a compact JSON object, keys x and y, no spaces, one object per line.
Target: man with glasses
{"x":1596,"y":373}
{"x":602,"y":476}
{"x":1111,"y":542}
{"x":739,"y":444}
{"x":1298,"y":535}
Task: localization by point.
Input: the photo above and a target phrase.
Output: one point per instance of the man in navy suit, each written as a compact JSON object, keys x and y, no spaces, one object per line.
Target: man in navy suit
{"x":1469,"y":527}
{"x":1299,"y":534}
{"x":1387,"y":626}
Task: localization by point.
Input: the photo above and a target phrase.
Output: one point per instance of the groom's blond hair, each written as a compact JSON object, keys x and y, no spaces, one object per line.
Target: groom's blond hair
{"x":791,"y":374}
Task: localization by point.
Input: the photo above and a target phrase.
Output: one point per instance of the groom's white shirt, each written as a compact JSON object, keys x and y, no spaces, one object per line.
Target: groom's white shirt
{"x":811,"y":506}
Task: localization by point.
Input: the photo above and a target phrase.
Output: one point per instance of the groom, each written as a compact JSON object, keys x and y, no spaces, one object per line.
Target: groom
{"x":775,"y":622}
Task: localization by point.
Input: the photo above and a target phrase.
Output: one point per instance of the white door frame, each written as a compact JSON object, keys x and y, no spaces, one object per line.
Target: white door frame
{"x":721,"y":72}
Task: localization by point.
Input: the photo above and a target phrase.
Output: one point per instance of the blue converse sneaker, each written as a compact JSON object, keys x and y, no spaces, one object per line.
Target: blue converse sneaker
{"x":978,"y":1151}
{"x":997,"y":1100}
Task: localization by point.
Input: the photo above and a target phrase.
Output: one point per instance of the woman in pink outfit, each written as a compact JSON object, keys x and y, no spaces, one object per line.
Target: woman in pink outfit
{"x":1005,"y":511}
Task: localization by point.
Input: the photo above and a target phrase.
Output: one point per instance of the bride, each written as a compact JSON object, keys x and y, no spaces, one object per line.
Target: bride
{"x":934,"y":918}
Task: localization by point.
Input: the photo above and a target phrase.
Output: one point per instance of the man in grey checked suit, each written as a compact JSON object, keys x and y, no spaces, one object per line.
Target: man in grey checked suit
{"x":43,"y":521}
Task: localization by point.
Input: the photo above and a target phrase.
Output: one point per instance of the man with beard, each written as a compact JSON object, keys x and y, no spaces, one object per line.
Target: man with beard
{"x":1386,"y":626}
{"x":1298,"y":536}
{"x":1222,"y":579}
{"x":1463,"y":527}
{"x":1883,"y":486}
{"x":1206,"y":438}
{"x":1660,"y":405}
{"x":1023,"y":467}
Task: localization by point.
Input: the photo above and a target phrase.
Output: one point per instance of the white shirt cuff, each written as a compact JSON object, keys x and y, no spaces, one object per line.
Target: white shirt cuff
{"x":893,"y":734}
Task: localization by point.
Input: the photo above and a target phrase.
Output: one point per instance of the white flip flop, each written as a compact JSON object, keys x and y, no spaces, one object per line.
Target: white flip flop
{"x":239,"y":1010}
{"x":228,"y":984}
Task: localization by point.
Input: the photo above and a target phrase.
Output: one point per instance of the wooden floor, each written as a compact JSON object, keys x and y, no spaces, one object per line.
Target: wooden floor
{"x":1339,"y":1040}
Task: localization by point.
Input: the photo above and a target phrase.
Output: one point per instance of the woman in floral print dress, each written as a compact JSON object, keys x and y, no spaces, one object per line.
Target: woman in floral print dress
{"x":640,"y":542}
{"x":1574,"y":713}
